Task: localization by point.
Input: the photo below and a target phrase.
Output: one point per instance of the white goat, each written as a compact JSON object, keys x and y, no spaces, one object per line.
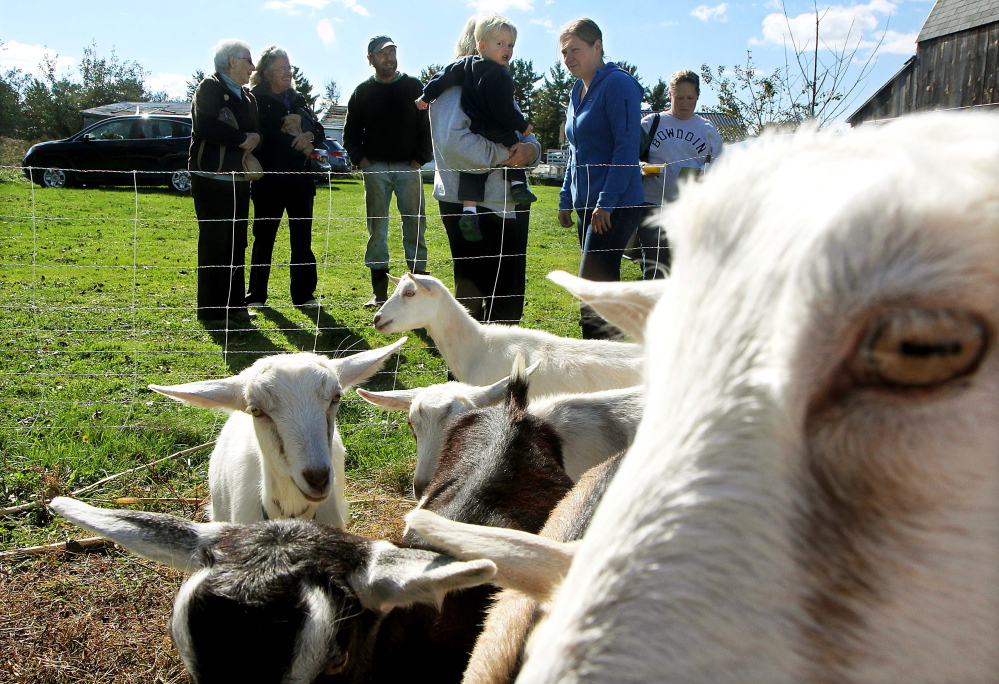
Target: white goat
{"x":593,"y":426}
{"x":813,"y":492}
{"x":280,"y":455}
{"x":481,"y":354}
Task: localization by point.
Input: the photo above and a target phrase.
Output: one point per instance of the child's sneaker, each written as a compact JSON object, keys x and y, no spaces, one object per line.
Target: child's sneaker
{"x":469,"y":225}
{"x":522,"y":194}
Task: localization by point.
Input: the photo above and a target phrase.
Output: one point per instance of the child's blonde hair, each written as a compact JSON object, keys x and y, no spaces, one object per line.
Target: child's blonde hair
{"x":489,"y":25}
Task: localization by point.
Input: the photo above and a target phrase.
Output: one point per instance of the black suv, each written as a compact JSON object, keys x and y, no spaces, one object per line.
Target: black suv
{"x":110,"y":149}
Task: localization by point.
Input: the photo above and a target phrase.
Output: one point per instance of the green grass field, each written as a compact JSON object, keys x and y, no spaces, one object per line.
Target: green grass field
{"x":99,"y":289}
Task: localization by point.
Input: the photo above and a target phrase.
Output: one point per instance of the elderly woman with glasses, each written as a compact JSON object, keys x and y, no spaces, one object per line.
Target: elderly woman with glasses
{"x":224,"y":115}
{"x":291,"y":131}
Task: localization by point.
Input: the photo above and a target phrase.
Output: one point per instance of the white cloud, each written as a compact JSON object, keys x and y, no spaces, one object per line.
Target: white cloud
{"x":670,"y":22}
{"x":896,"y":43}
{"x":296,"y":6}
{"x":500,"y":6}
{"x":293,"y":6}
{"x":708,"y":13}
{"x":175,"y":85}
{"x":324,"y":29}
{"x":546,"y":23}
{"x":26,"y":58}
{"x":840,"y":28}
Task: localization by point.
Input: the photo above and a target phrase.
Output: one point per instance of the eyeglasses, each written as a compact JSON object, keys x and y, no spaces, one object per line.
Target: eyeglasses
{"x":248,"y":59}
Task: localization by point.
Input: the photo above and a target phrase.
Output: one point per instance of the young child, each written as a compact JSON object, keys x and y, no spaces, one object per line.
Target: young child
{"x":487,"y":99}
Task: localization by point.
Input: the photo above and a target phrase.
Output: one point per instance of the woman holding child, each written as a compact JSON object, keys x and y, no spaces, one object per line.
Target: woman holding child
{"x":290,"y":131}
{"x":603,"y":184}
{"x":490,"y":262}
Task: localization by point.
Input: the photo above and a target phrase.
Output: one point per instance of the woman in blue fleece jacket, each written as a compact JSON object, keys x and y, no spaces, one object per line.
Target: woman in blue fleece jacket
{"x":603,"y":183}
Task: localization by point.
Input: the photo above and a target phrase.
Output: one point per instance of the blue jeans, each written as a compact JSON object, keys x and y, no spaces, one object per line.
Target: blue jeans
{"x":380,"y":180}
{"x":602,"y":253}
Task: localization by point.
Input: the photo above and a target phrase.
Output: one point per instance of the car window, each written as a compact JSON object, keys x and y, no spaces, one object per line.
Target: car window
{"x":111,"y":130}
{"x":180,"y":129}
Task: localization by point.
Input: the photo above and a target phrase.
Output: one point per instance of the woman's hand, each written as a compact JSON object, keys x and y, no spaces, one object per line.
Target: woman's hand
{"x":303,"y":142}
{"x":565,"y":218}
{"x":252,"y":140}
{"x":521,"y":155}
{"x":364,"y":163}
{"x":600,"y":219}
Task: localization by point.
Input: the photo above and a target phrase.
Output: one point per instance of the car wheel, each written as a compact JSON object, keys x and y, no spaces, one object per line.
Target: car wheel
{"x":53,"y":178}
{"x":180,"y":180}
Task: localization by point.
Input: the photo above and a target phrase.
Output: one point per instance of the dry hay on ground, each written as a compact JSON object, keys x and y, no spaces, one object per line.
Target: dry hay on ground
{"x":100,"y":617}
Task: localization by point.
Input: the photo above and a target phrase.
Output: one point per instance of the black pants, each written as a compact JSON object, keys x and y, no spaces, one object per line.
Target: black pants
{"x":472,"y":186}
{"x":601,"y":260}
{"x":655,"y":246}
{"x":272,"y":197}
{"x":222,"y":208}
{"x":490,"y":275}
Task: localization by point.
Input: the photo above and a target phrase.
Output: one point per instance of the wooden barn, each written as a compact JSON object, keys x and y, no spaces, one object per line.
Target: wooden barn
{"x":956,"y":64}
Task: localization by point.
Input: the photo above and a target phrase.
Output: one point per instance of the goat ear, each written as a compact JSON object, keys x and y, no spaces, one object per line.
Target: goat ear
{"x":353,"y":369}
{"x":394,"y":280}
{"x":159,"y":537}
{"x":213,"y":394}
{"x":526,"y":562}
{"x":419,"y":283}
{"x":626,"y":305}
{"x":399,"y":577}
{"x":391,"y":400}
{"x":491,"y":395}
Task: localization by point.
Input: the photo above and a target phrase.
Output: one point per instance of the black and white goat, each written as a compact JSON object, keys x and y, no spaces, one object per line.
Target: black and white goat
{"x":283,"y":601}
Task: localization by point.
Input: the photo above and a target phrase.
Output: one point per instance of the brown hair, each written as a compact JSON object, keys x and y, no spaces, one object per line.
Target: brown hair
{"x":584,"y":29}
{"x":685,"y":76}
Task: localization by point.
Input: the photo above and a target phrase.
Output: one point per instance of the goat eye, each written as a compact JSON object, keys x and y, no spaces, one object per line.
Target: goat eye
{"x":254,"y":411}
{"x":337,"y":665}
{"x":920,"y":347}
{"x":409,"y":293}
{"x":336,"y":398}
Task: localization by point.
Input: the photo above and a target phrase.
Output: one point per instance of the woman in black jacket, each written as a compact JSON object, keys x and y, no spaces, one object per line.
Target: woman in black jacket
{"x":224,"y":116}
{"x":286,"y":185}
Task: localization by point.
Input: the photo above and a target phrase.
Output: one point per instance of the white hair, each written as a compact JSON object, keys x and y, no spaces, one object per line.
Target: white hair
{"x":230,"y":47}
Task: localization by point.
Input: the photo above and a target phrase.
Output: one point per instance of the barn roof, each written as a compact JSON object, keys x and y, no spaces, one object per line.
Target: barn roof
{"x":951,"y":16}
{"x":730,"y":127}
{"x":334,"y":118}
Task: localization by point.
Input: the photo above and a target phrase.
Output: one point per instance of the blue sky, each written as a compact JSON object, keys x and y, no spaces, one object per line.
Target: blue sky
{"x":327,"y":38}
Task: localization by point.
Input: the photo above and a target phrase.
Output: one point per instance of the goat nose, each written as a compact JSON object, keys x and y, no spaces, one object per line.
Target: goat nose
{"x":378,"y":318}
{"x":317,"y":477}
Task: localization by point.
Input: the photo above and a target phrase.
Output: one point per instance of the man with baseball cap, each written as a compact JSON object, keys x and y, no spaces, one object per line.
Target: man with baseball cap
{"x":388,"y":138}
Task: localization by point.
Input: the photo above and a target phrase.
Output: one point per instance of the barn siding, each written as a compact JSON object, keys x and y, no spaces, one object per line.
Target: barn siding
{"x":955,"y":70}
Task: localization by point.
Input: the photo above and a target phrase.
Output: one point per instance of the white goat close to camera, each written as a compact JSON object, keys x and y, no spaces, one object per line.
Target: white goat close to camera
{"x":481,"y":354}
{"x":279,"y":455}
{"x":813,"y":492}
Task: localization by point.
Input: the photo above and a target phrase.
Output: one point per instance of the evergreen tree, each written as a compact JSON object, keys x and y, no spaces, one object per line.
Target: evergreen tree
{"x":12,"y":84}
{"x":524,"y":78}
{"x":657,"y":97}
{"x":548,"y":106}
{"x":631,"y":69}
{"x":303,"y":86}
{"x":192,"y":83}
{"x":429,"y":72}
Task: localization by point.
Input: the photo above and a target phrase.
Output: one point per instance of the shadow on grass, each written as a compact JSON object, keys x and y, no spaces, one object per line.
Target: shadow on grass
{"x":243,"y":343}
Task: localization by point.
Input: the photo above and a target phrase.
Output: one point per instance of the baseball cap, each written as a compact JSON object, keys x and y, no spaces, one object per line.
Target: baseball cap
{"x":379,"y":43}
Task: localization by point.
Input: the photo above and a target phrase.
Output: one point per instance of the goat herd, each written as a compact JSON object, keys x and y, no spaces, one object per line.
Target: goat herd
{"x":791,"y":474}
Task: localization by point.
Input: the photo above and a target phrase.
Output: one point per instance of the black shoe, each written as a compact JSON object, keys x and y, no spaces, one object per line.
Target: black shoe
{"x":469,"y":225}
{"x":379,"y":287}
{"x":522,"y":194}
{"x":241,"y":315}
